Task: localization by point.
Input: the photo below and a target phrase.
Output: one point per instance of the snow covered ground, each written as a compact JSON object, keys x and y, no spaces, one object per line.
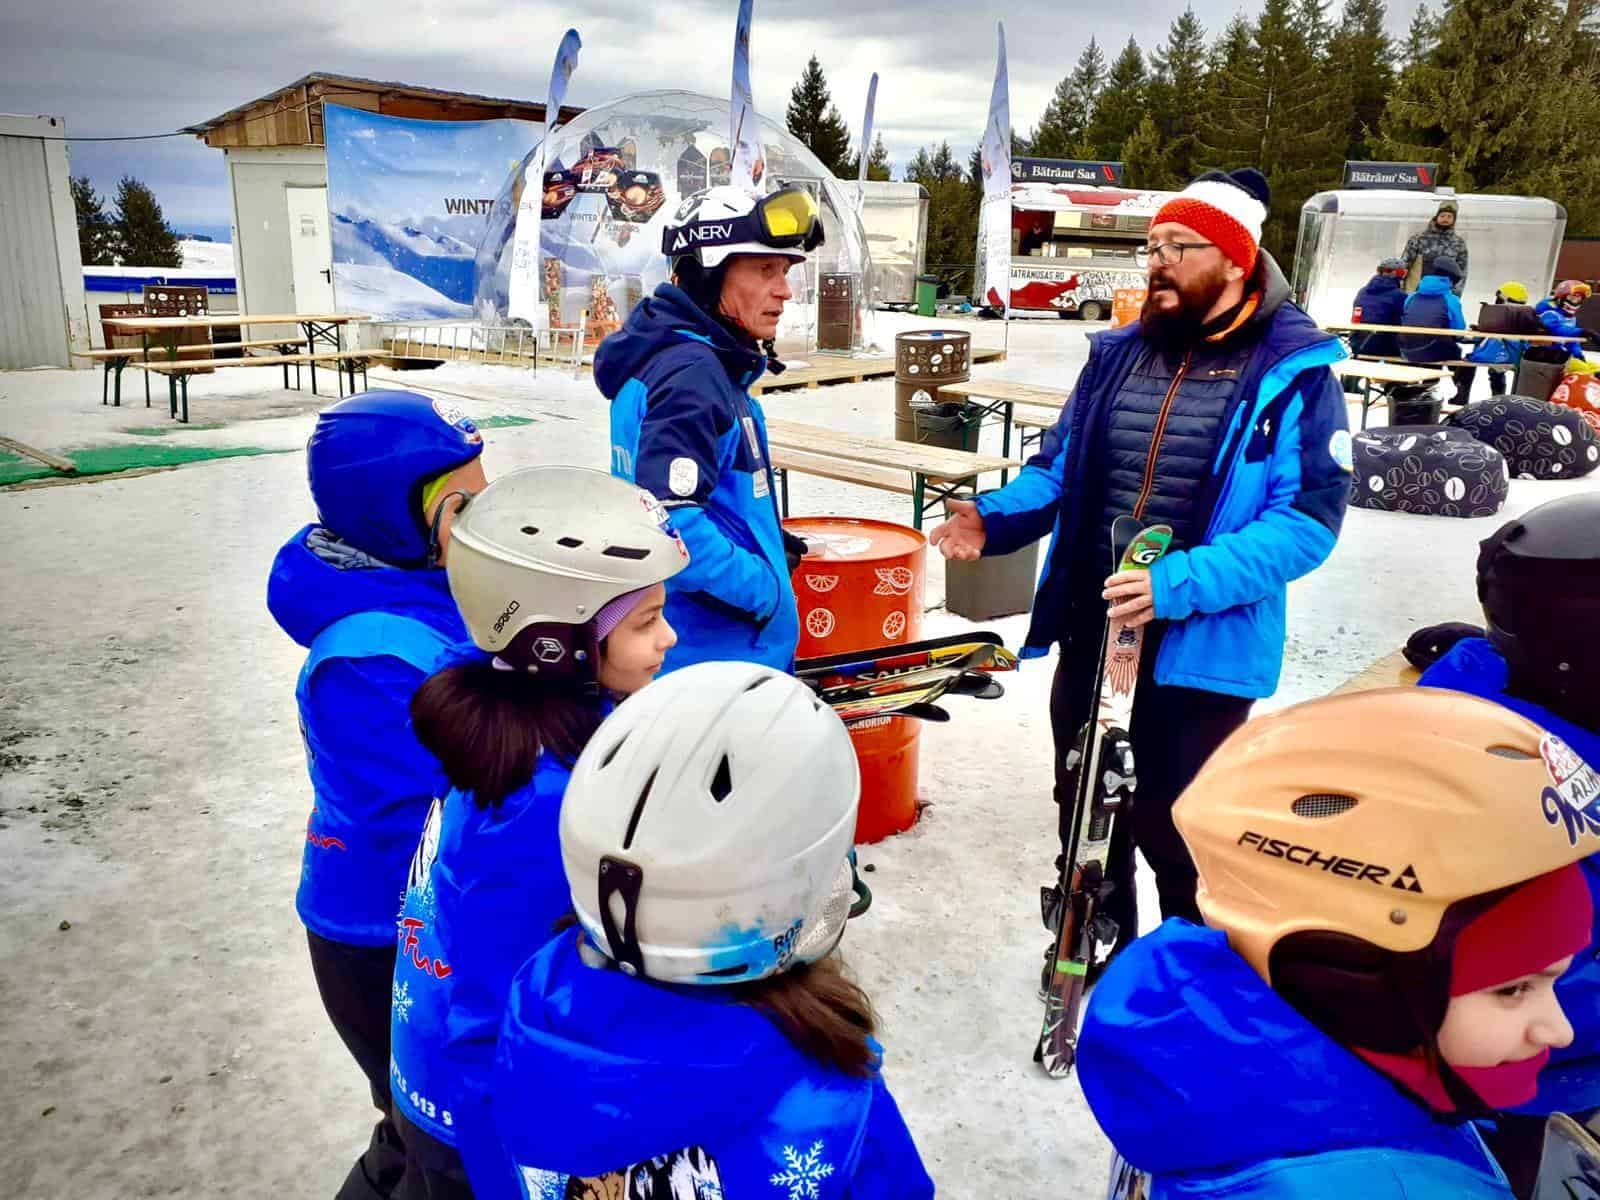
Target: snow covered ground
{"x":161,"y":1024}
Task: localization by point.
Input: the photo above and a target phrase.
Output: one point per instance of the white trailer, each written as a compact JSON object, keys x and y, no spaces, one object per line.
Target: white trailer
{"x":895,"y":219}
{"x":1345,"y":234}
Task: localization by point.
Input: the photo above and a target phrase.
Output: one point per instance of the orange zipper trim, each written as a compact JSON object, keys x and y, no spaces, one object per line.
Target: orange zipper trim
{"x":1155,"y":438}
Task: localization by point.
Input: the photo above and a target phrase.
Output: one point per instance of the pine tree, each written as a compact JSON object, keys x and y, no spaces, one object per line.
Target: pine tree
{"x":878,"y":164}
{"x":1145,"y":163}
{"x":1119,"y":106}
{"x":146,"y":239}
{"x":1177,"y":94}
{"x":813,"y":118}
{"x":1421,"y":37}
{"x":1456,"y":104}
{"x":1361,"y":57}
{"x":1060,"y":132}
{"x":952,"y":209}
{"x":97,"y":236}
{"x":1272,"y":107}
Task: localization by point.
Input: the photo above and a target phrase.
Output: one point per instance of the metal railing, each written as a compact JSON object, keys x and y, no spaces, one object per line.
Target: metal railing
{"x":511,"y":344}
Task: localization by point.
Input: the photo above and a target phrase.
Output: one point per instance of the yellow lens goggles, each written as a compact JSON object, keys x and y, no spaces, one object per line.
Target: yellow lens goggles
{"x":790,"y":213}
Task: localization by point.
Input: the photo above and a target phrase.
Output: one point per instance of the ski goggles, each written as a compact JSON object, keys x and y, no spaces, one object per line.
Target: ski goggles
{"x":787,"y":219}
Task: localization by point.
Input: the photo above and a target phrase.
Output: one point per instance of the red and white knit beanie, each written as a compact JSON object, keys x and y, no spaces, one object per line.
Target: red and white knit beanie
{"x":1227,"y":209}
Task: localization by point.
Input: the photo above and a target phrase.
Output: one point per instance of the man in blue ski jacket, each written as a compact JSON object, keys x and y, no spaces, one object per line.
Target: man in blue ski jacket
{"x":1216,"y":414}
{"x":685,"y":427}
{"x":362,"y":590}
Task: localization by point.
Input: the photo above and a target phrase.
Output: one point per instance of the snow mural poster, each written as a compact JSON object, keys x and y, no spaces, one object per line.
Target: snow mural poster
{"x":408,"y":202}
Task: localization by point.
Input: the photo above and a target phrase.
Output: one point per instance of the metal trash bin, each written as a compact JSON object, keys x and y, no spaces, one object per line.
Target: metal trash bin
{"x":927,"y":295}
{"x":949,"y":423}
{"x":998,"y":586}
{"x":924,"y":359}
{"x":1414,"y":405}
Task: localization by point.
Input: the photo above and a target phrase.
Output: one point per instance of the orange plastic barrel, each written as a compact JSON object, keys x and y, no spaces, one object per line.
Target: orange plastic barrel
{"x":861,"y":585}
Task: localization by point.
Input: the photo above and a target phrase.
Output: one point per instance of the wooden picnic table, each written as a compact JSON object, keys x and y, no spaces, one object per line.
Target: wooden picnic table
{"x":1003,"y":396}
{"x":317,"y":327}
{"x":1466,"y":335}
{"x":1370,"y":372}
{"x":933,"y":469}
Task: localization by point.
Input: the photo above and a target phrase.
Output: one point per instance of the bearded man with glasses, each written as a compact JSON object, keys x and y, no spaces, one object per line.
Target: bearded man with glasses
{"x":1216,"y":414}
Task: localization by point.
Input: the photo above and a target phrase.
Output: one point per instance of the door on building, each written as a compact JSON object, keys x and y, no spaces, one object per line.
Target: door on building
{"x":311,"y":251}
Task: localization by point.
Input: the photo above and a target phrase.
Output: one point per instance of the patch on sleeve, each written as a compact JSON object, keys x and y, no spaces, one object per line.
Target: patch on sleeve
{"x":683,"y":476}
{"x":1341,"y":450}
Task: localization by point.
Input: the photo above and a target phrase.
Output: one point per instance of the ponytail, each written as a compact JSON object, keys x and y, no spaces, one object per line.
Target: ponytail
{"x":487,"y":727}
{"x":822,"y":1012}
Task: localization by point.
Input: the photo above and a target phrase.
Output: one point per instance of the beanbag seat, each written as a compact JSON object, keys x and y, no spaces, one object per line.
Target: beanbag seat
{"x":1428,"y":470}
{"x":1540,"y":440}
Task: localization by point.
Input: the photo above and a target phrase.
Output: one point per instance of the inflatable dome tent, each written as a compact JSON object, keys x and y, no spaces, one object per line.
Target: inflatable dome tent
{"x":613,"y":179}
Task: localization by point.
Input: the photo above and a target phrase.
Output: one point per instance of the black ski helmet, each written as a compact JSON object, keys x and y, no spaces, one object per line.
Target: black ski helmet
{"x":1539,"y":584}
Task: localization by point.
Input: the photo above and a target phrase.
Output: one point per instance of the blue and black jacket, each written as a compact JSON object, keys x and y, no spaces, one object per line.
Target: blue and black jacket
{"x":374,"y":633}
{"x":1208,"y":1080}
{"x":1558,"y":324}
{"x":1381,"y":301}
{"x":685,"y":428}
{"x":1270,"y":510}
{"x":485,"y":890}
{"x":628,"y":1084}
{"x":1432,"y":306}
{"x":1571,"y":1083}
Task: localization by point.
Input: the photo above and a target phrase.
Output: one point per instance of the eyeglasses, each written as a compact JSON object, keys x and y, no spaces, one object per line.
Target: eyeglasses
{"x":1168,"y":254}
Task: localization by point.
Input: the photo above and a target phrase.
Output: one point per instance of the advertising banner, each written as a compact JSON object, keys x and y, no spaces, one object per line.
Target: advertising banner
{"x":523,"y":300}
{"x":994,"y":221}
{"x":408,"y":202}
{"x":1411,"y":177}
{"x":744,"y":132}
{"x":1066,"y":170}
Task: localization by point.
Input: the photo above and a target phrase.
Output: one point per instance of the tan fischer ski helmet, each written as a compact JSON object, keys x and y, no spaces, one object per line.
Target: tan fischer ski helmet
{"x":1370,"y":814}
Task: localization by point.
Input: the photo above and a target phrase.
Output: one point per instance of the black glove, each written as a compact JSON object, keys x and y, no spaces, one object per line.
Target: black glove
{"x":794,"y":549}
{"x":1428,"y":645}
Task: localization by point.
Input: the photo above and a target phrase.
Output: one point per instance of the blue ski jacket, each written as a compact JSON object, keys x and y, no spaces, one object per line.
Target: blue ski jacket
{"x":1207,"y":1079}
{"x":1271,"y":509}
{"x":685,"y":428}
{"x":1381,"y":301}
{"x":1432,"y":306}
{"x":374,"y":633}
{"x":1555,"y":320}
{"x":604,"y":1078}
{"x":485,"y":890}
{"x":1571,"y":1083}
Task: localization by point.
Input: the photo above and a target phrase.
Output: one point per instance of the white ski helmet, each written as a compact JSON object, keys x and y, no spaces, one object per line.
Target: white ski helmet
{"x":722,"y":222}
{"x":707,"y":827}
{"x":539,"y":552}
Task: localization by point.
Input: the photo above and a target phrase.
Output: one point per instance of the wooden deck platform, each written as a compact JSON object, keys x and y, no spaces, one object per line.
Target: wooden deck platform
{"x":822,"y":368}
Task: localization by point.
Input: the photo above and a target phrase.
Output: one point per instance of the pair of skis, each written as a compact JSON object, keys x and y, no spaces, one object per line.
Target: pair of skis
{"x":907,"y":679}
{"x":1103,"y":787}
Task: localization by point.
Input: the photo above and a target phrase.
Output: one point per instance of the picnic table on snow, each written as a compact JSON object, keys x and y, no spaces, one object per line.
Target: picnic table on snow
{"x":1003,"y":396}
{"x":317,"y":328}
{"x":1465,"y":335}
{"x":1374,"y":371}
{"x":876,"y":462}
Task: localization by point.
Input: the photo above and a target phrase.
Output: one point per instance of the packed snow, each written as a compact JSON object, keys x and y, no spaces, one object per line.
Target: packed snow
{"x":158,"y":999}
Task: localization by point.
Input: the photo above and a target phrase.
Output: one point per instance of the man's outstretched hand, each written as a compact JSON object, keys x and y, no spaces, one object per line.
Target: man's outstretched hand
{"x":961,"y":536}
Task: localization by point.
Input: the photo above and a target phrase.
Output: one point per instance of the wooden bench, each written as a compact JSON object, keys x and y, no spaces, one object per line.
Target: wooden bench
{"x":178,"y":373}
{"x":116,"y":359}
{"x":930,"y":473}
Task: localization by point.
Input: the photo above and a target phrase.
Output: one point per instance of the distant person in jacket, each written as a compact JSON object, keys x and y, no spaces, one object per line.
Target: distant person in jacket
{"x":1439,"y":240}
{"x":1381,"y":301}
{"x":1434,"y":306}
{"x":1216,"y":414}
{"x":363,"y":588}
{"x":1500,"y":355}
{"x":685,"y":427}
{"x":1558,"y":313}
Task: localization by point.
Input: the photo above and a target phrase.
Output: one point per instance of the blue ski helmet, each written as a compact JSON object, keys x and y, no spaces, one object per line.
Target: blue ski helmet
{"x":368,"y":460}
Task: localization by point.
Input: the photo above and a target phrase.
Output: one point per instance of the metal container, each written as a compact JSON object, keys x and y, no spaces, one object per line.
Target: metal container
{"x":923,"y":359}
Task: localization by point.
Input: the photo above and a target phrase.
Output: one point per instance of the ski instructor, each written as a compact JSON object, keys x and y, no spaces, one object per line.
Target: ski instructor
{"x":1215,"y":414}
{"x":685,"y":427}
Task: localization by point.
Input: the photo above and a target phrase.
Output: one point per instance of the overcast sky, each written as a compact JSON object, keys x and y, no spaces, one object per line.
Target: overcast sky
{"x":108,"y":68}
